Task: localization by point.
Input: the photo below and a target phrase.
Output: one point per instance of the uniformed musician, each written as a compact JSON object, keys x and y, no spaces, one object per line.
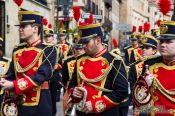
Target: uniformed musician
{"x":32,"y":65}
{"x":99,"y":82}
{"x":54,"y":82}
{"x":157,"y":96}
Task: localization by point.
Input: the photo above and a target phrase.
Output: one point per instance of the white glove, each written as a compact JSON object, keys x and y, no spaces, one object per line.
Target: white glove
{"x":149,"y":79}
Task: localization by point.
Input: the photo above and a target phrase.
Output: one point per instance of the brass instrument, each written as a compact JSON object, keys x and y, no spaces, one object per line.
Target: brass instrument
{"x":71,"y":111}
{"x":81,"y":104}
{"x":77,"y":106}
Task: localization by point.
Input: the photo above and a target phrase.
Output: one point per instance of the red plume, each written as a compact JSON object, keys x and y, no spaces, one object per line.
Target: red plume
{"x":140,"y":29}
{"x":44,"y":21}
{"x":76,"y":11}
{"x":114,"y":41}
{"x":158,"y":22}
{"x":133,"y":28}
{"x":61,"y":24}
{"x":18,"y":2}
{"x":90,"y":20}
{"x":82,"y":23}
{"x":50,"y":26}
{"x":146,"y":27}
{"x":164,"y":6}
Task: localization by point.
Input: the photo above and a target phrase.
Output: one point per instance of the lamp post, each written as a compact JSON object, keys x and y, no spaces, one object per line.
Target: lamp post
{"x":173,"y":16}
{"x":57,"y":16}
{"x":65,"y":4}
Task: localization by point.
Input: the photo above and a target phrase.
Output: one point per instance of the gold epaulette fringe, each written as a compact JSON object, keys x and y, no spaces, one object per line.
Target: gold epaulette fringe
{"x":8,"y":59}
{"x":21,"y":44}
{"x":116,"y":56}
{"x":146,"y":58}
{"x":48,"y":44}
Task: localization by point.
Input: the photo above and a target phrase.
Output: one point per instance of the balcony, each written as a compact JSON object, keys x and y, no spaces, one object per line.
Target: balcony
{"x":108,"y":3}
{"x":43,"y":2}
{"x":120,"y":1}
{"x":107,"y":25}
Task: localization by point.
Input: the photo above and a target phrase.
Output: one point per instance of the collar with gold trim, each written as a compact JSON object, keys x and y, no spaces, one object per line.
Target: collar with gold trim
{"x":169,"y":63}
{"x":38,"y":41}
{"x":100,"y":53}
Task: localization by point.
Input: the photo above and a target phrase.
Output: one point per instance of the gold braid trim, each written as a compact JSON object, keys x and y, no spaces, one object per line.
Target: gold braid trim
{"x":97,"y":79}
{"x":117,"y":71}
{"x":21,"y":70}
{"x":99,"y":88}
{"x":6,"y":68}
{"x":165,"y":92}
{"x":118,"y":57}
{"x":146,"y":58}
{"x":46,"y":58}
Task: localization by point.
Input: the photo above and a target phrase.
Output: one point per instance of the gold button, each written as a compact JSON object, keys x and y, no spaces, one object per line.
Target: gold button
{"x":155,"y":98}
{"x":35,"y":68}
{"x":35,"y":89}
{"x":33,"y":98}
{"x":94,"y":96}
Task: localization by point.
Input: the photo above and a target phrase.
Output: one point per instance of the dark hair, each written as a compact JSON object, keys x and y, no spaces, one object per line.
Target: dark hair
{"x":39,"y":27}
{"x":102,"y":38}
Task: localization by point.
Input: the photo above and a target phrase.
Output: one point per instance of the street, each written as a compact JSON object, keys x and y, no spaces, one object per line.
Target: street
{"x":60,"y":105}
{"x":59,"y":108}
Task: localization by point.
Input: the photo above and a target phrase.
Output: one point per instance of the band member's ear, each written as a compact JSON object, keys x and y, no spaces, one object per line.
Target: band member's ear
{"x":35,"y":29}
{"x":98,"y":40}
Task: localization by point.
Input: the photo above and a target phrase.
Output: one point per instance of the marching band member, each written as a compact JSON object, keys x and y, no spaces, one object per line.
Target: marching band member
{"x":99,"y":82}
{"x":32,"y":64}
{"x":156,"y":93}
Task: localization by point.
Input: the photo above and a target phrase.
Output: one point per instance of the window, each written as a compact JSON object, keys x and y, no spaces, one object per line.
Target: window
{"x":2,"y":21}
{"x":44,"y":2}
{"x":88,"y":5}
{"x":93,"y":8}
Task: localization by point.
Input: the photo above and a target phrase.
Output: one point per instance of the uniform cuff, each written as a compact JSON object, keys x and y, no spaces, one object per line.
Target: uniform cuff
{"x":23,"y":84}
{"x":103,"y":103}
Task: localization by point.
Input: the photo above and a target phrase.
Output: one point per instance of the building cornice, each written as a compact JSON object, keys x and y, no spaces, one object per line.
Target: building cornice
{"x":37,"y":3}
{"x":146,"y":16}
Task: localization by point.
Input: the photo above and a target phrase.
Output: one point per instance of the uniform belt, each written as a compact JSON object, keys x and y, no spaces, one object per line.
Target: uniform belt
{"x":45,"y":85}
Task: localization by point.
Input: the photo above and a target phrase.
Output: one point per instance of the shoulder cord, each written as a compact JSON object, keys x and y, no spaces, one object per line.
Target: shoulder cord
{"x":99,"y":78}
{"x":118,"y":72}
{"x":46,"y":58}
{"x":166,"y":93}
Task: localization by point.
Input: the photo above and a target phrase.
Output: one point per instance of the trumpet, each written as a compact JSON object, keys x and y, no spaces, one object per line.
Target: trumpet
{"x":77,"y":106}
{"x":71,"y":111}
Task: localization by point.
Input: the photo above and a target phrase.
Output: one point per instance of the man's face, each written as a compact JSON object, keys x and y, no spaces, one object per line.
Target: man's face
{"x":49,"y":39}
{"x":134,"y":42}
{"x":26,"y":31}
{"x":148,"y":51}
{"x":90,"y":47}
{"x":62,"y":37}
{"x":167,"y":48}
{"x":78,"y":51}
